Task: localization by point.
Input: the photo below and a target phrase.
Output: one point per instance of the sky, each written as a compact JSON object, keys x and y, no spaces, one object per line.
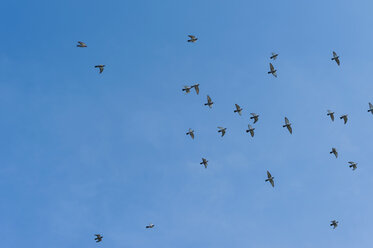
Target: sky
{"x":84,"y":153}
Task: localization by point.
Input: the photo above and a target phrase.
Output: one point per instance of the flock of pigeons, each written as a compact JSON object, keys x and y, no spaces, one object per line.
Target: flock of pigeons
{"x":254,"y":117}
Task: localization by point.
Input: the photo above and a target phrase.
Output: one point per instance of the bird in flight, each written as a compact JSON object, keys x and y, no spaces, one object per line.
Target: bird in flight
{"x":150,"y":225}
{"x":209,"y":102}
{"x":336,"y":58}
{"x":272,"y":70}
{"x":274,"y":56}
{"x":353,"y":165}
{"x":101,"y":67}
{"x":334,"y":224}
{"x":238,"y":109}
{"x":98,"y":238}
{"x":288,"y":125}
{"x":331,"y":114}
{"x":204,"y":162}
{"x":270,"y":179}
{"x":186,"y":89}
{"x":196,"y":87}
{"x":370,"y":108}
{"x":192,"y":38}
{"x":251,"y":130}
{"x":344,"y":117}
{"x":222,"y":130}
{"x":334,"y":151}
{"x":191,"y":133}
{"x":255,"y":117}
{"x":81,"y":44}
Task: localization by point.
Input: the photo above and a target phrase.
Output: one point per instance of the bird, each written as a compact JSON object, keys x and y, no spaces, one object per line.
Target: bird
{"x":238,"y":109}
{"x":272,"y":70}
{"x":204,"y":162}
{"x":370,"y":108}
{"x":274,"y":56}
{"x":270,"y":179}
{"x":288,"y":125}
{"x":101,"y":67}
{"x":192,"y":38}
{"x":209,"y":102}
{"x":186,"y":89}
{"x":334,"y":224}
{"x":251,"y":130}
{"x":150,"y":225}
{"x":331,"y":114}
{"x":336,"y":58}
{"x":334,"y":151}
{"x":222,"y":130}
{"x":191,"y":133}
{"x":353,"y":165}
{"x":344,"y":117}
{"x":255,"y":117}
{"x":98,"y":238}
{"x":196,"y":87}
{"x":81,"y":44}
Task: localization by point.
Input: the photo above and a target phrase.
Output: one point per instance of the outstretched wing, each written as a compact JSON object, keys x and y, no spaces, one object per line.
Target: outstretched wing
{"x":269,"y":174}
{"x":209,"y":99}
{"x":191,"y":132}
{"x":337,"y":60}
{"x":287,"y":121}
{"x":345,"y":119}
{"x":272,"y":183}
{"x":334,"y":54}
{"x":196,"y":87}
{"x":237,"y":107}
{"x":370,"y":106}
{"x":271,"y":67}
{"x":191,"y":36}
{"x":290,"y":129}
{"x":252,"y":133}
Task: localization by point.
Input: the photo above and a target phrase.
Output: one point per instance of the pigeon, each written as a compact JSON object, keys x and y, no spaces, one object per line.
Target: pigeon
{"x":150,"y":226}
{"x":336,"y":58}
{"x":344,"y":117}
{"x":334,"y":151}
{"x":331,"y":114}
{"x":98,"y":238}
{"x":251,"y":130}
{"x":192,"y":38}
{"x":209,"y":102}
{"x":353,"y":165}
{"x":288,"y":125}
{"x":196,"y":87}
{"x":191,"y":133}
{"x":334,"y":224}
{"x":274,"y":56}
{"x":238,"y":109}
{"x":370,"y":108}
{"x":101,"y":67}
{"x":222,"y":130}
{"x":204,"y":162}
{"x":270,"y":179}
{"x":272,"y":70}
{"x":255,"y":117}
{"x":81,"y":44}
{"x":186,"y":89}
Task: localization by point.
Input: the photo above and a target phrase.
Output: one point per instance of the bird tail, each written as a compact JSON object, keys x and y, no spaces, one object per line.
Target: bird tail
{"x":269,"y":72}
{"x":283,"y":125}
{"x":247,"y":131}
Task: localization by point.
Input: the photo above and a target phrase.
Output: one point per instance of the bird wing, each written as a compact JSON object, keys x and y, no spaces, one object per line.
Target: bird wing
{"x":196,"y":88}
{"x":221,"y":128}
{"x":222,"y":132}
{"x":269,"y":174}
{"x":237,"y":107}
{"x":272,"y":183}
{"x":332,"y":116}
{"x":351,"y":162}
{"x":101,"y":69}
{"x":191,"y":36}
{"x":286,"y":121}
{"x":345,"y":119}
{"x":370,"y":106}
{"x":191,"y":134}
{"x":208,"y":99}
{"x":290,"y":129}
{"x":337,"y":60}
{"x":271,"y":67}
{"x":252,"y":133}
{"x":334,"y":54}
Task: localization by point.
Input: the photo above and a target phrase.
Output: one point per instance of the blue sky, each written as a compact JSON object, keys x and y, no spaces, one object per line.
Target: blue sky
{"x":84,"y":153}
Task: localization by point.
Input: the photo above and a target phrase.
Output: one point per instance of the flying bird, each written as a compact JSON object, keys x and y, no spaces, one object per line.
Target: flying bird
{"x":288,"y":125}
{"x":344,"y":117}
{"x":150,"y":226}
{"x":192,"y":38}
{"x":98,"y":238}
{"x":334,"y":151}
{"x":274,"y":56}
{"x":334,"y":224}
{"x":353,"y":165}
{"x":101,"y":67}
{"x":370,"y":108}
{"x":209,"y":102}
{"x":255,"y":117}
{"x":186,"y":89}
{"x":222,"y":130}
{"x":251,"y":130}
{"x":196,"y":87}
{"x":270,"y":179}
{"x":191,"y":133}
{"x":272,"y":70}
{"x":204,"y":162}
{"x":238,"y":109}
{"x":331,"y":114}
{"x":81,"y":44}
{"x":336,"y":58}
